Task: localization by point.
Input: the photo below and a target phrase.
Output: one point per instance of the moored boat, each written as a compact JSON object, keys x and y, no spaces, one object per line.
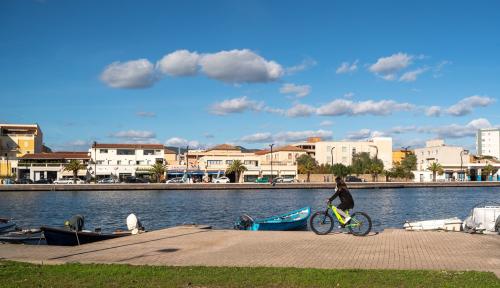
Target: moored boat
{"x":6,"y":225}
{"x":483,"y":218}
{"x":450,"y":224}
{"x":67,"y":237}
{"x":295,"y":220}
{"x":27,"y":236}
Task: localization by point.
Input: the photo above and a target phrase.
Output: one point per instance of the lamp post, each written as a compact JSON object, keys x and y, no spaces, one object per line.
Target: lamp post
{"x":271,"y":145}
{"x":462,"y":153}
{"x":331,"y":152}
{"x":95,"y":162}
{"x":187,"y":162}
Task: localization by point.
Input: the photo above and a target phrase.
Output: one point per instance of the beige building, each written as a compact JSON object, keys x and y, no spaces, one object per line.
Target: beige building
{"x":328,"y":152}
{"x":51,"y":166}
{"x":16,"y":140}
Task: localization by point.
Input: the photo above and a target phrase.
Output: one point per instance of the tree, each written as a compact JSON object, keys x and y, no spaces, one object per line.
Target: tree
{"x":340,"y":170}
{"x":436,"y":168}
{"x":323,"y":169}
{"x":158,"y":170}
{"x":306,"y":165}
{"x":237,"y":168}
{"x":376,"y":167}
{"x":488,"y":170}
{"x":74,"y":166}
{"x":409,"y":163}
{"x":360,"y":163}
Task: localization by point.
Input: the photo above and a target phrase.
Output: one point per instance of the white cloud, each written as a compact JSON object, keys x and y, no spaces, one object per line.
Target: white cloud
{"x":391,"y":64}
{"x":285,"y":137}
{"x":306,"y":64}
{"x":298,"y":90}
{"x":300,"y":110}
{"x":466,"y":105}
{"x":364,"y":134}
{"x":132,"y":74}
{"x":134,"y":134}
{"x":181,"y":142}
{"x":439,"y":67}
{"x":349,"y":95}
{"x":179,"y":63}
{"x":146,"y":114}
{"x":433,"y":111}
{"x":326,"y":123}
{"x":235,"y":105}
{"x":257,"y":138}
{"x":347,"y":67}
{"x":240,"y":66}
{"x":347,"y":107}
{"x":411,"y":76}
{"x":457,"y":131}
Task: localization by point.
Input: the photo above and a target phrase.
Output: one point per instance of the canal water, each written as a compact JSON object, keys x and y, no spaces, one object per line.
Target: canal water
{"x":220,"y":208}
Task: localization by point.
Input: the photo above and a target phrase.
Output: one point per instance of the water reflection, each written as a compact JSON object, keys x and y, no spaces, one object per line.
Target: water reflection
{"x":159,"y":209}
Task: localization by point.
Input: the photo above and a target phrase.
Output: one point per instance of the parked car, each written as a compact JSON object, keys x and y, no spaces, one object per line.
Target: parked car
{"x":222,"y":179}
{"x":353,"y":179}
{"x":284,"y":180}
{"x":108,"y":181}
{"x":43,"y":181}
{"x":133,"y":179}
{"x":68,"y":181}
{"x":262,"y":180}
{"x":24,"y":181}
{"x":175,"y":180}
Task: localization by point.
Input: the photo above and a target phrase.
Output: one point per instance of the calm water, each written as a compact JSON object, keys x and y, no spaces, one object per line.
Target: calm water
{"x":159,"y":209}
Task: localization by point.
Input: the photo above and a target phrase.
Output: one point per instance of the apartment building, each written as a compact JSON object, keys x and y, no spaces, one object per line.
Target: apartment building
{"x":51,"y":166}
{"x":328,"y":152}
{"x":16,"y":140}
{"x":124,"y":160}
{"x":488,"y":142}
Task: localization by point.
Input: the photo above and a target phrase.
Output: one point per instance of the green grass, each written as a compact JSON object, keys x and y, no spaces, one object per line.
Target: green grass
{"x":15,"y":274}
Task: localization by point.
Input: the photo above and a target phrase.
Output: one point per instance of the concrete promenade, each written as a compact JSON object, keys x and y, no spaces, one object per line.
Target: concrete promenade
{"x":238,"y":186}
{"x":183,"y":246}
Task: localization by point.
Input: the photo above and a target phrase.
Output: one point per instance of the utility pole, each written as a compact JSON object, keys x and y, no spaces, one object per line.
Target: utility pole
{"x":331,"y":152}
{"x":271,"y":145}
{"x":95,"y":162}
{"x":187,"y":162}
{"x":462,"y":153}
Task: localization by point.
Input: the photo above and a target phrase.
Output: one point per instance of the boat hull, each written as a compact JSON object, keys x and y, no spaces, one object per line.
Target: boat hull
{"x":63,"y":237}
{"x":295,"y":220}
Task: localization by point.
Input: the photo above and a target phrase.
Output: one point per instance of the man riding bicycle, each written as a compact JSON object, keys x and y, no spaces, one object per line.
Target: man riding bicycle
{"x":346,"y":201}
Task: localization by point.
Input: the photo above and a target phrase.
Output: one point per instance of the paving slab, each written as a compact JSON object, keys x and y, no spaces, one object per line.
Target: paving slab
{"x":186,"y":246}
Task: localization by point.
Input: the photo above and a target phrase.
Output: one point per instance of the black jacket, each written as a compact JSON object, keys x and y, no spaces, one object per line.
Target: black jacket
{"x":344,"y":196}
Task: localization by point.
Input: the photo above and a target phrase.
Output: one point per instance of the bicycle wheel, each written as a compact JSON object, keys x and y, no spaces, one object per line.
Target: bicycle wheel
{"x":360,"y":224}
{"x":321,"y":223}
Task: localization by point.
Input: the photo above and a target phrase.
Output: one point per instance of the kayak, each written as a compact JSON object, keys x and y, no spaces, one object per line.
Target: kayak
{"x":294,"y":220}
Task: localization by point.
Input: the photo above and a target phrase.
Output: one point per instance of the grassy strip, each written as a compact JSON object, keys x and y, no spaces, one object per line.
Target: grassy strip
{"x":15,"y":274}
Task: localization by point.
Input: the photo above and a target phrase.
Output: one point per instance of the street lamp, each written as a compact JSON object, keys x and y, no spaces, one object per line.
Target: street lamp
{"x":95,"y":161}
{"x":462,"y":153}
{"x":331,"y":152}
{"x":271,"y":145}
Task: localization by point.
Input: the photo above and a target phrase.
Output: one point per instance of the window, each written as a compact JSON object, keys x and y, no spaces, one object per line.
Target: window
{"x":149,"y":152}
{"x":100,"y":162}
{"x":139,"y":162}
{"x":229,"y":162}
{"x":125,"y":152}
{"x":129,"y":162}
{"x":344,"y":149}
{"x":214,"y":162}
{"x":109,"y":162}
{"x":119,"y":162}
{"x":344,"y":159}
{"x":328,"y":148}
{"x":289,"y":156}
{"x":103,"y":151}
{"x":353,"y":151}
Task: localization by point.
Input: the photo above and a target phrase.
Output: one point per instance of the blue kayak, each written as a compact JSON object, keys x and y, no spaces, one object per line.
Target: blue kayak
{"x":295,"y":220}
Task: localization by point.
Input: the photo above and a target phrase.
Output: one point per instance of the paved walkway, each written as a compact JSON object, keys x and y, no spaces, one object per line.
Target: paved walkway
{"x":181,"y":246}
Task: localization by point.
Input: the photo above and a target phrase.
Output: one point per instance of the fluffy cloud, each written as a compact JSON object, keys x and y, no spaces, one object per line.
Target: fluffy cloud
{"x":235,"y":105}
{"x":132,"y":74}
{"x":411,"y":76}
{"x":306,"y":64}
{"x":457,"y":131}
{"x":257,"y":138}
{"x":300,"y":110}
{"x":285,"y":137}
{"x":392,"y":64}
{"x":346,"y":67}
{"x":466,"y":105}
{"x":349,"y":95}
{"x":364,"y":134}
{"x":240,"y":66}
{"x":179,"y":63}
{"x":134,"y":134}
{"x":433,"y":111}
{"x":299,"y":90}
{"x":146,"y":114}
{"x":347,"y":107}
{"x":326,"y":123}
{"x":181,"y":142}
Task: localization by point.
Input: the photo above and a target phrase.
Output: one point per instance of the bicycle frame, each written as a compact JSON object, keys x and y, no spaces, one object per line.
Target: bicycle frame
{"x":339,"y":217}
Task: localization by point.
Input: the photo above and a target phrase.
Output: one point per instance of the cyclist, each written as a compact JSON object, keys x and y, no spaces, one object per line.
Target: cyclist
{"x":346,"y":201}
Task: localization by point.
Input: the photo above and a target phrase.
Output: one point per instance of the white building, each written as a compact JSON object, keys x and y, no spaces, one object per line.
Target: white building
{"x":342,"y":151}
{"x":51,"y":165}
{"x":123,"y":160}
{"x":453,"y":159}
{"x":488,"y":142}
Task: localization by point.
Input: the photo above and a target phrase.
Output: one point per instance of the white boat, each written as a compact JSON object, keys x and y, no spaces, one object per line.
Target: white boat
{"x":484,"y":219}
{"x":450,"y":224}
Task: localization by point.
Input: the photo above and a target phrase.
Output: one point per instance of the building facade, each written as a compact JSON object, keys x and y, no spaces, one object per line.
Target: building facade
{"x":488,"y":142}
{"x":124,"y":160}
{"x":51,"y":166}
{"x":17,"y":140}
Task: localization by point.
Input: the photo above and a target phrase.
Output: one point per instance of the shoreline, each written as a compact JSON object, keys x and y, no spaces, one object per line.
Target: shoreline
{"x":238,"y":186}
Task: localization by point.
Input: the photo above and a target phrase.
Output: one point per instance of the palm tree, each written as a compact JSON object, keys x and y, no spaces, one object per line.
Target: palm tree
{"x":158,"y":170}
{"x":488,"y":170}
{"x":306,"y":165}
{"x":375,"y":169}
{"x":237,"y":168}
{"x":74,"y":166}
{"x":435,"y":168}
{"x":340,"y":170}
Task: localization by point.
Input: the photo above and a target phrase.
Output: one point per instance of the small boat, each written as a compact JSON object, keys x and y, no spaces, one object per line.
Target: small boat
{"x":67,"y":237}
{"x":450,"y":224}
{"x":483,"y":218}
{"x":295,"y":220}
{"x":6,"y":225}
{"x":27,"y":236}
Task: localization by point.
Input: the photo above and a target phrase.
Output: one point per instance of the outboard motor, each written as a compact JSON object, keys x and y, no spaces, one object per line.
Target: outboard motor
{"x":133,"y":224}
{"x":75,"y":223}
{"x":244,"y":222}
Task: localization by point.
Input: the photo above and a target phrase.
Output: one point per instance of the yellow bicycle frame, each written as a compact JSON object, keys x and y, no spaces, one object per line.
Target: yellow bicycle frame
{"x":339,"y":217}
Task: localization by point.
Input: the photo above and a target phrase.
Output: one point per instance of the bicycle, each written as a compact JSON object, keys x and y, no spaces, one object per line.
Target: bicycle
{"x":322,"y":222}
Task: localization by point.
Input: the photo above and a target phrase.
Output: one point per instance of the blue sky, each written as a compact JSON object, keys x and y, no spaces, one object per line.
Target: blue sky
{"x":208,"y":72}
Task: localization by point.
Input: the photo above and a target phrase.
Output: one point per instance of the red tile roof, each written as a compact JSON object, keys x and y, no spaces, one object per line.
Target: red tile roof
{"x":224,"y":147}
{"x":282,"y":148}
{"x":129,"y":146}
{"x":58,"y":155}
{"x":168,"y":151}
